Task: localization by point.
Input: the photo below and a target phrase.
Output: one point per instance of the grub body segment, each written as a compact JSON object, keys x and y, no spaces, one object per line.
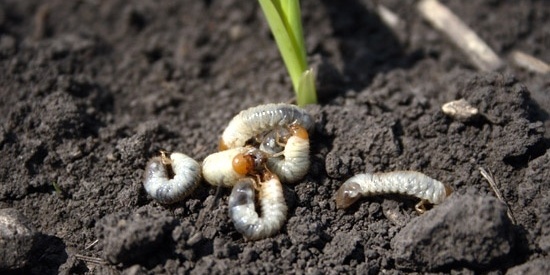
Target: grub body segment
{"x":170,"y":180}
{"x":256,"y":120}
{"x":243,"y":213}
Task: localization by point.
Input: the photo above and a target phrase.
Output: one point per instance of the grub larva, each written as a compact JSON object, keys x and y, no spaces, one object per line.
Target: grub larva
{"x":227,"y":167}
{"x":170,"y":179}
{"x":243,"y":212}
{"x":291,"y":164}
{"x":403,"y":182}
{"x":257,"y":120}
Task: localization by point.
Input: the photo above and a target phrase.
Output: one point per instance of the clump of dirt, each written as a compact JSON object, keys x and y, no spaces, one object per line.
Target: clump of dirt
{"x":92,"y":89}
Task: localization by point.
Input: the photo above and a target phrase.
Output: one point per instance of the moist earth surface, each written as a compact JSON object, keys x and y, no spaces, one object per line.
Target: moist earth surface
{"x":93,"y":89}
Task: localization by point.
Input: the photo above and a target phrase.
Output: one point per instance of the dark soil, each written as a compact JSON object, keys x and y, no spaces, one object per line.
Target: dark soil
{"x":92,"y":89}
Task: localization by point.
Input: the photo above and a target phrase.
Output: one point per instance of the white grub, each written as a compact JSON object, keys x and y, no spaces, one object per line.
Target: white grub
{"x":243,"y":212}
{"x":459,"y":109}
{"x":257,"y":120}
{"x":169,"y":180}
{"x":402,"y":182}
{"x":227,"y":167}
{"x":291,"y":164}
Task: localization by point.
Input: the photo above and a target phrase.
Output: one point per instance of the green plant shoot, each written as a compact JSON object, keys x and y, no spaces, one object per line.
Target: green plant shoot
{"x":284,"y":19}
{"x":57,"y":189}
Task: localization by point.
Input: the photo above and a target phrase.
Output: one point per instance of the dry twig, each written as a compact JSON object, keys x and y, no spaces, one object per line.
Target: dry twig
{"x":445,"y":21}
{"x":93,"y":260}
{"x":391,"y":19}
{"x":92,"y":244}
{"x":393,"y":22}
{"x":529,"y":62}
{"x":494,"y":185}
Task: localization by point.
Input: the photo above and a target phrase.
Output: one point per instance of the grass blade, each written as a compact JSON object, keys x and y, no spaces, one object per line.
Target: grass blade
{"x":292,"y":12}
{"x":306,"y":90}
{"x":284,"y":20}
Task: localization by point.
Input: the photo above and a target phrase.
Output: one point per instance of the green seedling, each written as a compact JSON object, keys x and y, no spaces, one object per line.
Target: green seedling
{"x":284,"y":20}
{"x":57,"y":189}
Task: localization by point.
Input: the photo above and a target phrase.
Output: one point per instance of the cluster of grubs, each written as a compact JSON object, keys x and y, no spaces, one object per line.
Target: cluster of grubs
{"x":261,"y":148}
